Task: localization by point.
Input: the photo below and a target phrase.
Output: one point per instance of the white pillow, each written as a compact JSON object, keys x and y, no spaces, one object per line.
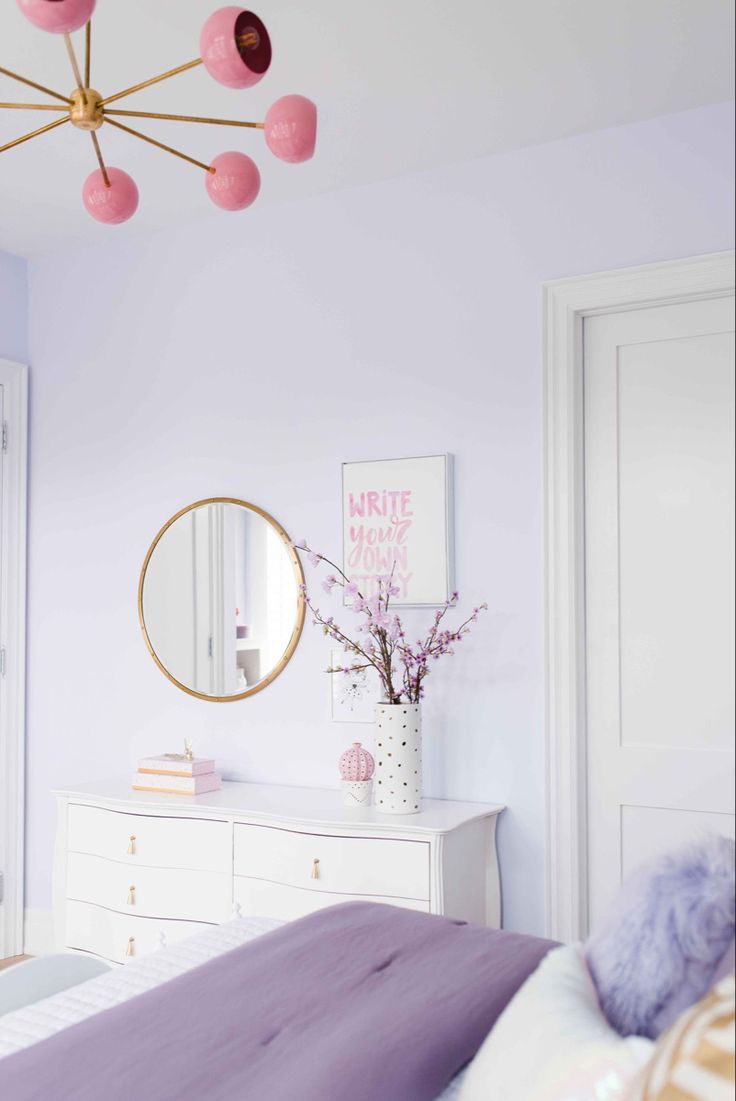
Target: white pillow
{"x":552,"y":1042}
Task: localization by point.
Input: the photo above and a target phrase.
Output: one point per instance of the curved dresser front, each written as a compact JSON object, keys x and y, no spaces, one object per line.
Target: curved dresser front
{"x":136,"y":871}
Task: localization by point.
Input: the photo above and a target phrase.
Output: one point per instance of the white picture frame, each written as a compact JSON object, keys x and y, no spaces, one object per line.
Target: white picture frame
{"x":399,"y":512}
{"x":353,"y":695}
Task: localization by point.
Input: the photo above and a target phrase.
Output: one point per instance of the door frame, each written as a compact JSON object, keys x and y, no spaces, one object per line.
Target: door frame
{"x":14,"y":380}
{"x":566,"y":303}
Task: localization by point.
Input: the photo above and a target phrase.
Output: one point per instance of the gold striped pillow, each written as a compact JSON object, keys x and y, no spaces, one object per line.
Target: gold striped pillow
{"x":694,"y":1059}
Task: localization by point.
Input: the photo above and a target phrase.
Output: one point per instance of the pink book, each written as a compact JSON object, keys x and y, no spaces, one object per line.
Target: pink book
{"x":176,"y":764}
{"x":177,"y":785}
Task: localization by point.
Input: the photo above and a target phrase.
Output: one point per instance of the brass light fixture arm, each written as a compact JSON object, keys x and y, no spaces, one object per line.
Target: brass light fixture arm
{"x":34,"y":106}
{"x":160,"y":145}
{"x":34,"y":134}
{"x":244,"y":40}
{"x":100,"y":161}
{"x":33,"y":84}
{"x":87,"y":53}
{"x":153,"y":80}
{"x":75,"y":65}
{"x":186,"y":118}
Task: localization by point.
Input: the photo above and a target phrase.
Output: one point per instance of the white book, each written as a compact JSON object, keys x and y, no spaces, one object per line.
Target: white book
{"x":176,"y":764}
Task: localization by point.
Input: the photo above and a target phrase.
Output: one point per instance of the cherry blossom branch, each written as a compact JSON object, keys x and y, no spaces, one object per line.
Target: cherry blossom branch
{"x":386,"y":632}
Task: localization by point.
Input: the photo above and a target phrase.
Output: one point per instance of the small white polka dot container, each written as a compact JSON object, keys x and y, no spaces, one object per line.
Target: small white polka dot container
{"x":357,"y":793}
{"x":398,"y":756}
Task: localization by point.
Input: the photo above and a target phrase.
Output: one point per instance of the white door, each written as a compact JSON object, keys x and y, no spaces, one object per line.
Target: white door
{"x":659,"y":531}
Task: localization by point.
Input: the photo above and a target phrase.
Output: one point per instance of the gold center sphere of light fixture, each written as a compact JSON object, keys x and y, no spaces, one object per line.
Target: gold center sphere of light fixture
{"x":86,"y":109}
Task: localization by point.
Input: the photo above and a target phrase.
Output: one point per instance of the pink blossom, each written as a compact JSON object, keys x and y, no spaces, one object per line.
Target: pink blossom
{"x":401,"y":668}
{"x":394,"y":631}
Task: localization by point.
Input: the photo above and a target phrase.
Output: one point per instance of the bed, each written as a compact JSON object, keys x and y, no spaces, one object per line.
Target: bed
{"x":32,"y":1023}
{"x":360,"y":944}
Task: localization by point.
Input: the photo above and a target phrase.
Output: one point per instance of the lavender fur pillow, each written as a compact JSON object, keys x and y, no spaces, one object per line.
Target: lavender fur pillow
{"x":672,"y":923}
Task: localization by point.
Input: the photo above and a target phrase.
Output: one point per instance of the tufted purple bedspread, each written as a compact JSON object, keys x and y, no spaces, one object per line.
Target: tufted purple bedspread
{"x":360,"y":1001}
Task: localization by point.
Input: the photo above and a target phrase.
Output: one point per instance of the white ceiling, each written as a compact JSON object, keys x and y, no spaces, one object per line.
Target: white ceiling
{"x":402,"y":85}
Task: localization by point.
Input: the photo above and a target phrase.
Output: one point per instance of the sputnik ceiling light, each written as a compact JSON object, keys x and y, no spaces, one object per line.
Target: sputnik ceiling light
{"x":235,"y":50}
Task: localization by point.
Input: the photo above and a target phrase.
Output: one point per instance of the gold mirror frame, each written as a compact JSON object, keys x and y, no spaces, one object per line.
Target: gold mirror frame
{"x":301,"y":603}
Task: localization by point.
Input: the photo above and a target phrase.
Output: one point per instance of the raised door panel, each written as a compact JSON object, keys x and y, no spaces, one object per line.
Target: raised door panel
{"x":323,"y":862}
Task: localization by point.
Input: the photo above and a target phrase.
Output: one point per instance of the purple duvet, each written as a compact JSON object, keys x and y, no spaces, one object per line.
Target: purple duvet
{"x":361,"y":1002}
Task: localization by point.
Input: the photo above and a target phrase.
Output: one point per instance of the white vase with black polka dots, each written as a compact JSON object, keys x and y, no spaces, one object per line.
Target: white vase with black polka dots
{"x":398,"y":755}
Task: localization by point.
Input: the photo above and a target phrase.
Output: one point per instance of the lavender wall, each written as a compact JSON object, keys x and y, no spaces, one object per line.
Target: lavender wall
{"x":248,"y":357}
{"x":13,"y":308}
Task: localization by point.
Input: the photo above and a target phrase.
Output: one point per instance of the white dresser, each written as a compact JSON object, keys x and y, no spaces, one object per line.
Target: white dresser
{"x":137,"y":870}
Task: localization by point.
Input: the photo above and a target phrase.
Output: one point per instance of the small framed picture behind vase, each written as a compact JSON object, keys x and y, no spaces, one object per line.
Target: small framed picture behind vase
{"x":397,"y":519}
{"x":354,"y":694}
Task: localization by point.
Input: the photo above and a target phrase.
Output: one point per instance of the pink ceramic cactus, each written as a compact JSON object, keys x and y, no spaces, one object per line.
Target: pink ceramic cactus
{"x":356,"y":763}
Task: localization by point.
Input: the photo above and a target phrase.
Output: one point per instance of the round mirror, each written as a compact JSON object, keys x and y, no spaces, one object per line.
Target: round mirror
{"x":220,"y":599}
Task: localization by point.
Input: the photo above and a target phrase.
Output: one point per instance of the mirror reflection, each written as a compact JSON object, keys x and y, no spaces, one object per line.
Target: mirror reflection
{"x":220,"y":600}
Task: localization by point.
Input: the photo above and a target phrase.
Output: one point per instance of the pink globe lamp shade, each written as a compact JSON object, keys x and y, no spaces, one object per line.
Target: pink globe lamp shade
{"x":113,"y":204}
{"x":291,"y":128}
{"x":58,"y":16}
{"x":235,"y":183}
{"x":235,"y":47}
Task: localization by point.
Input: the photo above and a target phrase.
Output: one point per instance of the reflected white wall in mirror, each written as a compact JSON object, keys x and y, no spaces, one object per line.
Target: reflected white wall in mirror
{"x":220,"y":601}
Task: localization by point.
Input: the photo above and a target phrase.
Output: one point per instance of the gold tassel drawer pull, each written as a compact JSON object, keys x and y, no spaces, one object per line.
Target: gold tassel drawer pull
{"x":131,"y":895}
{"x":130,"y":947}
{"x":131,"y":845}
{"x":315,"y":868}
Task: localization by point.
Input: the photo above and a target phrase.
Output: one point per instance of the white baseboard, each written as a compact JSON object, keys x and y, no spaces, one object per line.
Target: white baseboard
{"x":38,"y":938}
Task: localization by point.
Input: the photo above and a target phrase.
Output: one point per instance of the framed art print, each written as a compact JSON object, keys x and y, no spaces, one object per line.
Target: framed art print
{"x":397,"y":519}
{"x":355,"y":694}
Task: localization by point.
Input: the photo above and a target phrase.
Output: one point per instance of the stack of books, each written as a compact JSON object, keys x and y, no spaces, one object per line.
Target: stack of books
{"x":177,"y":774}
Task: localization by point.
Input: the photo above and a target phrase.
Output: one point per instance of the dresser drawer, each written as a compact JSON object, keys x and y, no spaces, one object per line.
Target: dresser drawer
{"x":345,"y":865}
{"x":119,"y":937}
{"x":149,"y":892}
{"x":147,"y":839}
{"x":257,"y":898}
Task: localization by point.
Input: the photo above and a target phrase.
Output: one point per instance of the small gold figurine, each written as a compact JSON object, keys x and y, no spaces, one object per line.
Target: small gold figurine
{"x":188,"y":751}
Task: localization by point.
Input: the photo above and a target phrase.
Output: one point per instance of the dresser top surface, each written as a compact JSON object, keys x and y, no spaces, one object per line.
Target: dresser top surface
{"x":313,"y":806}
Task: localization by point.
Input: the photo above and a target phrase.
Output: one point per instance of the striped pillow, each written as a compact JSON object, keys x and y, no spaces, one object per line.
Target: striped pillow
{"x":694,"y":1059}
